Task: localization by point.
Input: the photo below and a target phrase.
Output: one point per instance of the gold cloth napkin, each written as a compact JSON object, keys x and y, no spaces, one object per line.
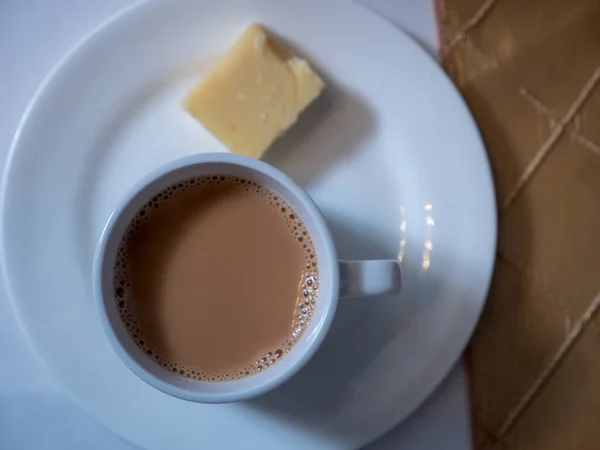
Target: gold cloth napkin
{"x":530,"y":72}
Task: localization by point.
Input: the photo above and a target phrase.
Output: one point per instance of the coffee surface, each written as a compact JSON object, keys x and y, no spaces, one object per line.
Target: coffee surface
{"x":216,"y":278}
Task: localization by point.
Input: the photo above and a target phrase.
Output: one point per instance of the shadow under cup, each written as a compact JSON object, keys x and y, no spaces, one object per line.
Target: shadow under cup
{"x":104,"y":267}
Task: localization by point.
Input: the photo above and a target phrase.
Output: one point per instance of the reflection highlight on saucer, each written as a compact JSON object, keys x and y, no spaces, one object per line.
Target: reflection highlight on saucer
{"x":428,"y":247}
{"x":402,"y":235}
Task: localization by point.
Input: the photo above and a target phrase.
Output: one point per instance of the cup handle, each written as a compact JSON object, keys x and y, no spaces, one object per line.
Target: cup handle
{"x":369,"y":278}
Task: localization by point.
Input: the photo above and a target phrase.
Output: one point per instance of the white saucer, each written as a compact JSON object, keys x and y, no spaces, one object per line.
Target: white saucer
{"x":390,"y":154}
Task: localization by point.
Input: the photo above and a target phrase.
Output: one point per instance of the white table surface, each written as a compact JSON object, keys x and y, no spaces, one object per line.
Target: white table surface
{"x":35,"y":413}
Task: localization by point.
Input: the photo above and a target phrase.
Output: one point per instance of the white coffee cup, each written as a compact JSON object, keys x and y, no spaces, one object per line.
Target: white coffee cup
{"x":337,"y":278}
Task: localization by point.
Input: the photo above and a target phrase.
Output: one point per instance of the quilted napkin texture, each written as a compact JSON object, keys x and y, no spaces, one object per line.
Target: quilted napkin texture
{"x":530,"y":72}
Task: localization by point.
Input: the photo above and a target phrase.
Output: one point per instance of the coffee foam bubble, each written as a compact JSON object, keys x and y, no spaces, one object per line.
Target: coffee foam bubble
{"x":305,"y":304}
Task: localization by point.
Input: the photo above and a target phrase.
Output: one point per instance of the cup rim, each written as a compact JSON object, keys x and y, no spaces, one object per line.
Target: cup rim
{"x":316,"y":338}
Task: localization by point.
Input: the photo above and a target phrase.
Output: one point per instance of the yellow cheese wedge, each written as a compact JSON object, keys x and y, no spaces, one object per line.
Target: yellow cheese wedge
{"x":254,"y":93}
